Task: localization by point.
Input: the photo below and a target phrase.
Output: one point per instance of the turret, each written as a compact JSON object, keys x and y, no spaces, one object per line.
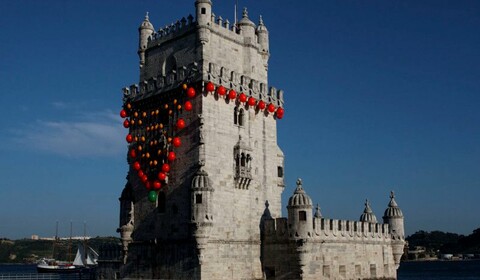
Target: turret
{"x":247,"y":27}
{"x":262,"y":34}
{"x":300,"y":213}
{"x":201,"y":190}
{"x":368,"y":215}
{"x":394,"y":218}
{"x":145,"y":31}
{"x":204,"y":11}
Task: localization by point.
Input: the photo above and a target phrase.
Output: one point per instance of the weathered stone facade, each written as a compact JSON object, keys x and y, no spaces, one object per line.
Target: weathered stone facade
{"x":219,"y":214}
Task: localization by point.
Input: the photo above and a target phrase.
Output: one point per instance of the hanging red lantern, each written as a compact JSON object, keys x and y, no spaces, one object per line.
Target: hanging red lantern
{"x":133,"y":153}
{"x":140,"y":173}
{"x":148,"y":185}
{"x":171,"y":156}
{"x":166,"y":167}
{"x":191,"y":92}
{"x":210,"y":87}
{"x":232,"y":94}
{"x":221,"y":90}
{"x":261,"y":105}
{"x":271,"y":108}
{"x":123,"y":114}
{"x":129,"y":138}
{"x":242,"y":97}
{"x":188,"y":106}
{"x":162,"y":176}
{"x":136,"y":165}
{"x":157,"y":185}
{"x":280,"y":112}
{"x":126,"y":123}
{"x":144,"y":179}
{"x":251,"y":101}
{"x":176,"y":142}
{"x":180,"y":124}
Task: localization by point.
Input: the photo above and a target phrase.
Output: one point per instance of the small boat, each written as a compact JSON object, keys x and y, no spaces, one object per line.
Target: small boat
{"x":53,"y":266}
{"x":86,"y":257}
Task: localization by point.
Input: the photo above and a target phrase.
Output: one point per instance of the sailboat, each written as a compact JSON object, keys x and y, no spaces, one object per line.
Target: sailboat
{"x":86,"y":257}
{"x":50,"y":265}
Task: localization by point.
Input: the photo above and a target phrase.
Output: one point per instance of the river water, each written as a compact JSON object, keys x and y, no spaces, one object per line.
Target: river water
{"x":431,"y":270}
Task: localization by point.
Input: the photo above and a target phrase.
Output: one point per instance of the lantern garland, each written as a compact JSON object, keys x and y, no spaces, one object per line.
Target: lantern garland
{"x":152,"y":144}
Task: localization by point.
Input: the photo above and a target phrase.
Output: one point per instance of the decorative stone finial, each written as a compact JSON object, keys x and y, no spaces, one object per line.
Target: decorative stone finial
{"x":146,"y":16}
{"x":245,"y":13}
{"x":299,"y":182}
{"x":392,"y":194}
{"x":260,"y":22}
{"x":317,"y":212}
{"x":367,"y":207}
{"x":267,"y":204}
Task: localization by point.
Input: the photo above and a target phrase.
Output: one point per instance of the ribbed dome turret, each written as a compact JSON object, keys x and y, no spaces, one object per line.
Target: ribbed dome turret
{"x":245,"y":21}
{"x":367,"y":215}
{"x":299,"y":197}
{"x":393,"y":210}
{"x":201,"y":180}
{"x":261,"y":27}
{"x":146,"y":24}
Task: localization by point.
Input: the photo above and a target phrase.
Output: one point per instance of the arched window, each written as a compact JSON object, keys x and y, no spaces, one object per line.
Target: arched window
{"x":161,"y":201}
{"x":241,"y":117}
{"x":242,"y":160}
{"x":235,"y":115}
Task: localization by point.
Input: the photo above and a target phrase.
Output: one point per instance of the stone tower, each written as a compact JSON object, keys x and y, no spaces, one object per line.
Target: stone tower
{"x":205,"y":166}
{"x":393,"y":216}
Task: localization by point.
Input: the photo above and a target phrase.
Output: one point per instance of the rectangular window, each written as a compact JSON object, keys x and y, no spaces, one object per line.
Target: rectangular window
{"x":280,"y":171}
{"x":198,"y":199}
{"x":204,"y":11}
{"x":326,"y":271}
{"x":373,"y":270}
{"x":342,"y":271}
{"x":358,"y":270}
{"x":302,"y":215}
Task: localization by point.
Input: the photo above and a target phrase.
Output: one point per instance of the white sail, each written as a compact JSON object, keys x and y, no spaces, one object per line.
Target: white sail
{"x":85,"y":256}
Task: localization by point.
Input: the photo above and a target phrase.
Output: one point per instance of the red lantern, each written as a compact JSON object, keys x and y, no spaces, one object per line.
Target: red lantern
{"x":232,"y":94}
{"x":166,"y":167}
{"x":133,"y":153}
{"x":162,"y":176}
{"x":280,"y":112}
{"x":188,"y":106}
{"x":123,"y":114}
{"x":221,"y":90}
{"x":136,"y":165}
{"x":171,"y":156}
{"x":210,"y":87}
{"x":176,"y":142}
{"x":191,"y":92}
{"x":180,"y":124}
{"x":147,"y":185}
{"x":140,"y":173}
{"x":251,"y":101}
{"x":126,"y":123}
{"x":157,"y":185}
{"x":129,"y":138}
{"x":144,"y":179}
{"x":261,"y":105}
{"x":242,"y":97}
{"x":271,"y":108}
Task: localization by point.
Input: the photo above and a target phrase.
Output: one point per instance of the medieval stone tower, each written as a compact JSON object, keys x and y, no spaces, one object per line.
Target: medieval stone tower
{"x":203,"y":192}
{"x":200,"y":219}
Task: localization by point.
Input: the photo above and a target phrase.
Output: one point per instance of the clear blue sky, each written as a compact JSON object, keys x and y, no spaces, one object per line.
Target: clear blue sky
{"x":380,"y":95}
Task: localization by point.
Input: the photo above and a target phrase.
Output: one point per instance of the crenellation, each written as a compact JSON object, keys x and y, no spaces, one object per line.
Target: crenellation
{"x":168,"y":32}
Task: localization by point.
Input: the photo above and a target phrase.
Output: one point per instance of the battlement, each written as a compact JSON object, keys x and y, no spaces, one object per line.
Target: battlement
{"x":217,"y":74}
{"x":331,"y":229}
{"x":171,"y":31}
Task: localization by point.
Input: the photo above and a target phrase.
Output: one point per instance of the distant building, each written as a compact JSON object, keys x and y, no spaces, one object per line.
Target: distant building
{"x":203,"y":192}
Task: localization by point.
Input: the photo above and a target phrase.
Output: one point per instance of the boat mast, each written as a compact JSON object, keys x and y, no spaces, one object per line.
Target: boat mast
{"x":55,"y":241}
{"x":85,"y":248}
{"x":70,"y":244}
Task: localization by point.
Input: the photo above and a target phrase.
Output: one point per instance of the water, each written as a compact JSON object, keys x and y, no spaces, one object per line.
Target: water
{"x":29,"y":271}
{"x":432,"y":270}
{"x":440,"y":270}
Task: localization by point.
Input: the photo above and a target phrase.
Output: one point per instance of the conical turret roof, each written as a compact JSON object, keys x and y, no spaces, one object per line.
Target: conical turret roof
{"x":146,"y":24}
{"x":393,"y":210}
{"x":367,"y":215}
{"x":299,"y":197}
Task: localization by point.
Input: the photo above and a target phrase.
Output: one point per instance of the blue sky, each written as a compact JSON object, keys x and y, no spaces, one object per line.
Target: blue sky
{"x":380,"y":95}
